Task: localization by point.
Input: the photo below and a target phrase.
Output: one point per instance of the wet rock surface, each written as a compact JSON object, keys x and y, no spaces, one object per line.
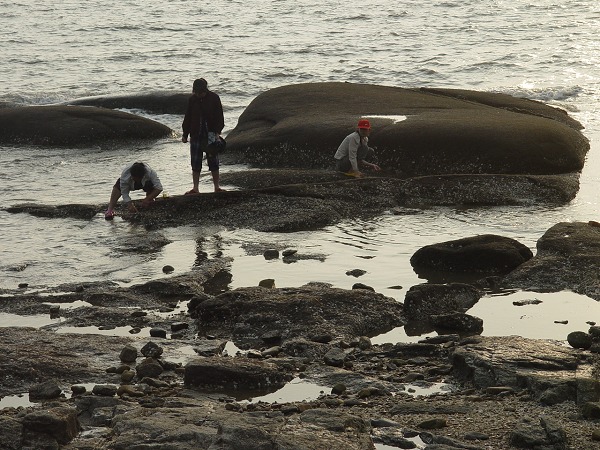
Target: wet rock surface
{"x":184,"y":390}
{"x":287,"y":200}
{"x":487,"y":254}
{"x":445,"y":131}
{"x":568,"y":257}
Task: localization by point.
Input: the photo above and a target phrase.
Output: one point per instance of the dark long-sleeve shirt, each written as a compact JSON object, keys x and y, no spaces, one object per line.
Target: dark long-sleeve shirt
{"x":202,"y":112}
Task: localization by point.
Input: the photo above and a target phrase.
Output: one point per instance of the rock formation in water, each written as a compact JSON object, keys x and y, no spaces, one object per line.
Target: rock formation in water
{"x":444,"y":131}
{"x":74,"y":126}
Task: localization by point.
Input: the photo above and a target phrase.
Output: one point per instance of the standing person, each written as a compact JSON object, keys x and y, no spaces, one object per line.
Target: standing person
{"x":354,"y":151}
{"x":134,"y":177}
{"x":203,"y":123}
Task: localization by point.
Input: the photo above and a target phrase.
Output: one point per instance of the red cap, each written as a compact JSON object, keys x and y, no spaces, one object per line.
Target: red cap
{"x":364,"y":123}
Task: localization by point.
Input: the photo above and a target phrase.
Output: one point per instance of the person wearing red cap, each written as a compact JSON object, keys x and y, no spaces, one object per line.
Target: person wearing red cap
{"x":354,"y":151}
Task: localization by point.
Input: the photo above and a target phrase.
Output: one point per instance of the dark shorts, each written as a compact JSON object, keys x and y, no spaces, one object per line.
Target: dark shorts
{"x":364,"y":154}
{"x":197,"y":149}
{"x":137,"y":185}
{"x":343,"y":165}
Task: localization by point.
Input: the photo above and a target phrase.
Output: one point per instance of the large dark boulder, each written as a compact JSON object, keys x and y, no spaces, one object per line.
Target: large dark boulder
{"x":445,"y":131}
{"x":74,"y":126}
{"x":486,"y":253}
{"x":303,"y":312}
{"x":567,"y":258}
{"x":425,"y":300}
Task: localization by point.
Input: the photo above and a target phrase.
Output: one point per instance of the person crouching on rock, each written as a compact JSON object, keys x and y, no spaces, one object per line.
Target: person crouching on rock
{"x":134,"y":177}
{"x":354,"y":151}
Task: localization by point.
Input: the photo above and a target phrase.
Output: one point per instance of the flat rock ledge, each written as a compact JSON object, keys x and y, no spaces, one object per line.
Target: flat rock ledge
{"x":495,"y":387}
{"x":284,"y":200}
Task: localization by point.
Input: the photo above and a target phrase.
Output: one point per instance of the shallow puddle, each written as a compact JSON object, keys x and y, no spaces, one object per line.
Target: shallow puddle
{"x":23,"y":400}
{"x":35,"y":321}
{"x":117,"y":331}
{"x":534,"y":315}
{"x":297,"y":390}
{"x":426,"y":389}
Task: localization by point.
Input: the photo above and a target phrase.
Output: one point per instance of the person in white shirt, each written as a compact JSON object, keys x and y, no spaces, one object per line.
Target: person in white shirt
{"x":354,"y":151}
{"x":135,"y":176}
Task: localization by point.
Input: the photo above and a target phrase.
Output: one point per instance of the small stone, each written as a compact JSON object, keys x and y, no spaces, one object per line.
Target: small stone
{"x":149,"y":367}
{"x":151,"y":350}
{"x":127,"y":376}
{"x":338,"y":389}
{"x":46,"y":390}
{"x":271,"y":254}
{"x":364,"y":343}
{"x":122,"y":368}
{"x":433,"y":424}
{"x":104,"y":390}
{"x":527,"y":302}
{"x":591,"y":410}
{"x":78,"y":389}
{"x":255,"y":354}
{"x":129,"y":390}
{"x":128,"y":354}
{"x":23,"y":285}
{"x":158,"y":332}
{"x":362,"y":286}
{"x":322,"y":338}
{"x":596,"y":434}
{"x":579,"y":339}
{"x":476,"y":436}
{"x":356,"y":272}
{"x":267,"y":283}
{"x":272,"y":351}
{"x":179,"y":326}
{"x":155,"y":382}
{"x":384,"y":423}
{"x":139,"y":313}
{"x":291,"y":409}
{"x":168,"y":269}
{"x":499,"y":390}
{"x":289,"y":252}
{"x":368,"y":392}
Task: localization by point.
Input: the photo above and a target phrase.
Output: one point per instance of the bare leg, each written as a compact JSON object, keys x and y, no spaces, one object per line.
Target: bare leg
{"x":196,"y":181}
{"x":215,"y":177}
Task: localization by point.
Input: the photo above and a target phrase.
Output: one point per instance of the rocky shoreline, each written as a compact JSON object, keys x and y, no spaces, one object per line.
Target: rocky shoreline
{"x":169,"y":381}
{"x":141,"y":391}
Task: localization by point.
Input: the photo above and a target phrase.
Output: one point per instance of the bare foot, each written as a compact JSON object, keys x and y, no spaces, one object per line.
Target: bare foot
{"x":192,"y":192}
{"x":220,"y":189}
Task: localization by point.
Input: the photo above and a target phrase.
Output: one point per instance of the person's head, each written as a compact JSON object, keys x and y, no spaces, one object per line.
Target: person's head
{"x":200,"y":87}
{"x":138,"y":170}
{"x":364,"y":127}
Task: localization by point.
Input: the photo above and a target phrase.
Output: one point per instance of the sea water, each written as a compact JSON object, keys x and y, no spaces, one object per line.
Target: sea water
{"x":539,"y":49}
